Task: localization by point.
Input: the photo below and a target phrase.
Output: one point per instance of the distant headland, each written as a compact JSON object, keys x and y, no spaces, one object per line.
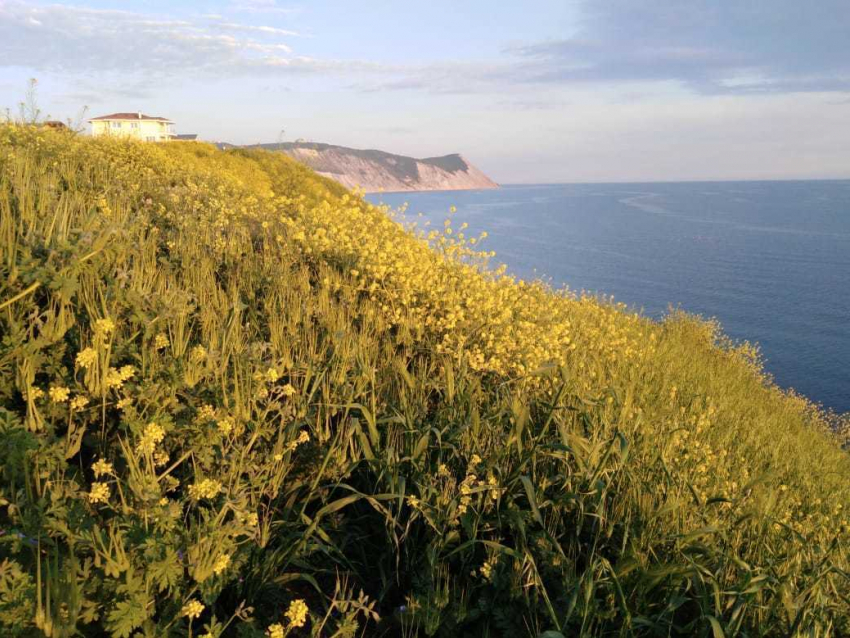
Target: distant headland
{"x":375,"y":171}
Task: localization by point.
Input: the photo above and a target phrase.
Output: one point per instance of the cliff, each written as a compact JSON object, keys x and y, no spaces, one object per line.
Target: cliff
{"x":377,"y":170}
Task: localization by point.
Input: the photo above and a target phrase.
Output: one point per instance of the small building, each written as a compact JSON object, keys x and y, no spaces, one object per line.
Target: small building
{"x":185,"y":137}
{"x":137,"y":125}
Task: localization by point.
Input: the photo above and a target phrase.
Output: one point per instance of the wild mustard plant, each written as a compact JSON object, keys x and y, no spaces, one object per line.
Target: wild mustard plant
{"x":236,"y":398}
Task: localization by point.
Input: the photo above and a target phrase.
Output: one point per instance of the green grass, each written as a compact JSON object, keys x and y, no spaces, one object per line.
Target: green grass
{"x":301,"y":399}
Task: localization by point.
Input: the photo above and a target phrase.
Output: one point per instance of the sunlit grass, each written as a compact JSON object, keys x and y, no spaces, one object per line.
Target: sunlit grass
{"x":236,"y":398}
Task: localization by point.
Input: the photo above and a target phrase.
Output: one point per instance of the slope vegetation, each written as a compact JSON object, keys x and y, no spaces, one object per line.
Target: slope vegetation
{"x":235,"y":399}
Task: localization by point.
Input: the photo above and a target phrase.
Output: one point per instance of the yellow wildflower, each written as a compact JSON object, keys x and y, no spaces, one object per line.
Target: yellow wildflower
{"x":276,"y":631}
{"x":192,"y":609}
{"x":487,"y":570}
{"x":208,"y":488}
{"x":59,"y":393}
{"x":205,"y":414}
{"x":160,"y":341}
{"x":221,"y":563}
{"x":35,"y":393}
{"x":113,"y":378}
{"x":272,"y":375}
{"x":151,"y":437}
{"x":102,"y":327}
{"x":99,"y":493}
{"x":297,"y":613}
{"x":288,"y":390}
{"x":198,"y":354}
{"x":225,"y":425}
{"x":101,"y":467}
{"x":86,"y":357}
{"x":79,"y":402}
{"x":160,"y":458}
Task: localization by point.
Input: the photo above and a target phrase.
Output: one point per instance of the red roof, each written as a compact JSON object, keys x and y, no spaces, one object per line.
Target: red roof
{"x":129,"y":116}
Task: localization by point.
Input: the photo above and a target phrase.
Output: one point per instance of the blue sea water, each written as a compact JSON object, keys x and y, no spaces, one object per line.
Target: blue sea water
{"x":769,"y":260}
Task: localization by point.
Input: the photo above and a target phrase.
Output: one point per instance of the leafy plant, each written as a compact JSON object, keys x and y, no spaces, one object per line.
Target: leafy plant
{"x":236,"y":399}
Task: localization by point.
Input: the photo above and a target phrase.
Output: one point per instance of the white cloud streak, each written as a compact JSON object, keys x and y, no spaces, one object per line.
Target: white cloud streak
{"x":82,"y":40}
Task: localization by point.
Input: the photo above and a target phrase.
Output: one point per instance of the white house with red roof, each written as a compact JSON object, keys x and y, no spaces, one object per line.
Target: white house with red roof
{"x":137,"y":125}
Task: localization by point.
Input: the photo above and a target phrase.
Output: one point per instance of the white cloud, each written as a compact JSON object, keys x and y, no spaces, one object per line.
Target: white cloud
{"x":83,"y":40}
{"x":250,"y":28}
{"x":260,"y":6}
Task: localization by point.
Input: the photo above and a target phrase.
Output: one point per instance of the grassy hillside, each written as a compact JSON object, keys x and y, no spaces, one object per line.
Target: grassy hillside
{"x":238,"y":400}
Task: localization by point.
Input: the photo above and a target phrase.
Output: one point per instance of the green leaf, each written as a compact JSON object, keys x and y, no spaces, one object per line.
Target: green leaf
{"x":125,"y":617}
{"x":716,"y":629}
{"x":529,"y":492}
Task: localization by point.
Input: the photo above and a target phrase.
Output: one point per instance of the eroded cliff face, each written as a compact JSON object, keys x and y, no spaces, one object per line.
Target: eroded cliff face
{"x":376,"y":170}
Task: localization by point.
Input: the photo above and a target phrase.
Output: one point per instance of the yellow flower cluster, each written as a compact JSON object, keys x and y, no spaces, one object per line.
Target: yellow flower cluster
{"x":193,"y":609}
{"x":59,"y":393}
{"x":205,"y":414}
{"x":34,"y":393}
{"x":303,"y":438}
{"x":161,"y":341}
{"x":225,"y":425}
{"x":86,"y":357}
{"x":101,"y":467}
{"x":297,"y":613}
{"x":115,"y":378}
{"x":151,"y":437}
{"x":99,"y":493}
{"x":207,"y":488}
{"x":276,"y":631}
{"x":198,"y":354}
{"x":221,"y":563}
{"x":436,"y":281}
{"x":104,"y":327}
{"x":486,"y":570}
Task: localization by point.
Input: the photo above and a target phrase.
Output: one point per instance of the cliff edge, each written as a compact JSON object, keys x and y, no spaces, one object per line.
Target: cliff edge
{"x":374,"y":170}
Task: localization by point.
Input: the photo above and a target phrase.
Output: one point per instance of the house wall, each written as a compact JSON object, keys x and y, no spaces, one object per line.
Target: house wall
{"x":145,"y":130}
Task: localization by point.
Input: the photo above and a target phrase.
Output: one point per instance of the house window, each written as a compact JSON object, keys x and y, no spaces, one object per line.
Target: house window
{"x":116,"y":124}
{"x":134,"y":125}
{"x":151,"y":138}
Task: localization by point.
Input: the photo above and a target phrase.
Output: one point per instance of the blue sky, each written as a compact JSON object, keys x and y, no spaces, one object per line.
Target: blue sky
{"x":533,"y":91}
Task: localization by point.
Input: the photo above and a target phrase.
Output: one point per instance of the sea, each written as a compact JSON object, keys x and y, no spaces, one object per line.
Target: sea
{"x":770,"y":260}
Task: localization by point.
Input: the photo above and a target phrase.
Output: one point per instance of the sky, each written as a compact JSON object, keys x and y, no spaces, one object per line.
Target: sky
{"x":531,"y":92}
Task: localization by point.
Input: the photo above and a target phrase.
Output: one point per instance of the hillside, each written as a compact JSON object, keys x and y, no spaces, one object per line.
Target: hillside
{"x":237,"y":400}
{"x":375,"y":171}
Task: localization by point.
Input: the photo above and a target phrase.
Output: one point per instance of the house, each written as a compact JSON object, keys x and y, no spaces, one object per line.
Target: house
{"x":137,"y":125}
{"x":185,"y":137}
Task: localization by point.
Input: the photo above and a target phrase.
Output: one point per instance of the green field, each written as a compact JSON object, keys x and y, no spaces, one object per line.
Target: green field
{"x":237,"y":400}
